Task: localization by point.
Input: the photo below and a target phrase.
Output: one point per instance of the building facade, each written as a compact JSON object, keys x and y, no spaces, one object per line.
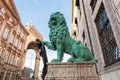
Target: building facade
{"x":96,"y":23}
{"x":31,"y":44}
{"x":15,"y":39}
{"x":12,"y":39}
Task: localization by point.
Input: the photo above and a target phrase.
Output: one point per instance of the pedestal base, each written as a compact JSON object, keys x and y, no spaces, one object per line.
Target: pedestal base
{"x":71,"y":71}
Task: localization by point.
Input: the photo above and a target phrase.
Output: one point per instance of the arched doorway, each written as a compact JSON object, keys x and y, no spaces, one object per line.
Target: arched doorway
{"x":29,"y":64}
{"x":34,"y":51}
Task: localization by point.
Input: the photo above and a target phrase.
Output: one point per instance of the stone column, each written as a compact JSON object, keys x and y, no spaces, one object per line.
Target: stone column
{"x":10,"y":76}
{"x":22,"y":61}
{"x":36,"y":69}
{"x":4,"y":75}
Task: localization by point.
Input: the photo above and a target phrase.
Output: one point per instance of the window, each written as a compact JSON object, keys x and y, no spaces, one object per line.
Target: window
{"x":2,"y":11}
{"x":22,"y":35}
{"x":14,"y":62}
{"x":5,"y":34}
{"x":18,"y":61}
{"x":16,"y":42}
{"x":20,"y":45}
{"x":12,"y":58}
{"x":83,"y":35}
{"x":92,"y":4}
{"x":18,"y":29}
{"x":75,"y":33}
{"x":77,"y":3}
{"x":76,"y":21}
{"x":10,"y":20}
{"x":6,"y":56}
{"x":11,"y":38}
{"x":9,"y":58}
{"x":108,"y":43}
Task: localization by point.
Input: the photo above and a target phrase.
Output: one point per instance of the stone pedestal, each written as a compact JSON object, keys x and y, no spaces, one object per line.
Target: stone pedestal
{"x":71,"y":71}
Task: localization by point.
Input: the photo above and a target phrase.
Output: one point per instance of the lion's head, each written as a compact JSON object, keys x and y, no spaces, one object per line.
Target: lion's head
{"x":58,"y":27}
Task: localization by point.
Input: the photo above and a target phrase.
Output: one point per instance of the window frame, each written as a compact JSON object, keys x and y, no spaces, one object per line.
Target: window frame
{"x":12,"y":38}
{"x":6,"y":32}
{"x":7,"y":56}
{"x":106,"y":36}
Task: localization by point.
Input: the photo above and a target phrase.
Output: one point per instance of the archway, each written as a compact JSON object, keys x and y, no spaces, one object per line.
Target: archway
{"x":39,"y":50}
{"x":32,"y":45}
{"x":29,"y":64}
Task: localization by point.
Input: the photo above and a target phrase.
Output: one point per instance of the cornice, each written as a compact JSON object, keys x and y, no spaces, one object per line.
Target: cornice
{"x":13,"y":12}
{"x":33,"y":30}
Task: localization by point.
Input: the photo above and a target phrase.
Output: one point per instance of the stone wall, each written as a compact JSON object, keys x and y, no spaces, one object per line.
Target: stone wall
{"x":112,"y":7}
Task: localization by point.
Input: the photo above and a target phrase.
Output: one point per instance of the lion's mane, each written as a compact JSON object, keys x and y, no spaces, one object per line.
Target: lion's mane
{"x":58,"y":27}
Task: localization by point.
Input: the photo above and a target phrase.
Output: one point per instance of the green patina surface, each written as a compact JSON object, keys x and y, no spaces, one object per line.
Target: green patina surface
{"x":61,"y":41}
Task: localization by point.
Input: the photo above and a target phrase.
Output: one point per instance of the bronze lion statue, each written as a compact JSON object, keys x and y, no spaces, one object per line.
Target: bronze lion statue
{"x":61,"y":41}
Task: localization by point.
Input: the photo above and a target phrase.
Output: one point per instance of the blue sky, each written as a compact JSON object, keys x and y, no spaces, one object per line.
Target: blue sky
{"x":38,"y":12}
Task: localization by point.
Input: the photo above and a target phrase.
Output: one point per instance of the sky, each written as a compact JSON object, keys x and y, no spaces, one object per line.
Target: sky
{"x":38,"y":13}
